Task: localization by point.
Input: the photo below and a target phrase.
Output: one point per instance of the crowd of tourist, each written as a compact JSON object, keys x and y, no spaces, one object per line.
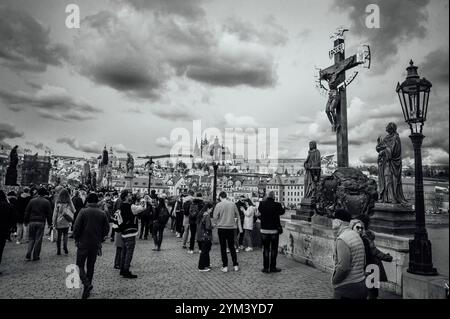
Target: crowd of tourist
{"x":92,"y":217}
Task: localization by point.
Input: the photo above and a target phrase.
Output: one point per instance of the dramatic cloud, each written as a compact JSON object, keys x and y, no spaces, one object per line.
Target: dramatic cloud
{"x":8,"y":131}
{"x":174,"y":113}
{"x":121,"y":149}
{"x":401,"y":21}
{"x":435,"y":68}
{"x":91,"y":148}
{"x":25,"y":43}
{"x":271,"y":33}
{"x":39,"y":146}
{"x":185,"y":8}
{"x":163,"y":142}
{"x":50,"y":102}
{"x":233,"y":121}
{"x":138,"y":52}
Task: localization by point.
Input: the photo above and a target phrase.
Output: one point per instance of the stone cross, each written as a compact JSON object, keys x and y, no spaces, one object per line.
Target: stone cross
{"x":337,"y":103}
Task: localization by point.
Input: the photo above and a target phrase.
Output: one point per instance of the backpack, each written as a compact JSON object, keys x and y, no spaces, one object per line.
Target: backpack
{"x":163,"y":217}
{"x":65,"y":213}
{"x":194,"y":209}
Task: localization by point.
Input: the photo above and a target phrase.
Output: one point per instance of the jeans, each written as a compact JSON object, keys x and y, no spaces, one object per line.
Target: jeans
{"x":193,"y":228}
{"x":118,"y":257}
{"x":226,"y":236}
{"x":248,"y":238}
{"x":241,"y":235}
{"x":145,"y":228}
{"x":186,"y":234}
{"x":356,"y":290}
{"x":35,"y":234}
{"x":158,"y":231}
{"x":270,"y":247}
{"x":205,"y":247}
{"x":62,"y":232}
{"x":2,"y":246}
{"x":179,"y":222}
{"x":127,"y":253}
{"x":22,"y":232}
{"x":86,"y":257}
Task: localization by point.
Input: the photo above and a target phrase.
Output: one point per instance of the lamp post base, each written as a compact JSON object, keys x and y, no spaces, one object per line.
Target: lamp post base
{"x":420,"y":261}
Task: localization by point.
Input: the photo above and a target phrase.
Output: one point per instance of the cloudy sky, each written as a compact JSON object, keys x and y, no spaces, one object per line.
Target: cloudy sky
{"x":135,"y":70}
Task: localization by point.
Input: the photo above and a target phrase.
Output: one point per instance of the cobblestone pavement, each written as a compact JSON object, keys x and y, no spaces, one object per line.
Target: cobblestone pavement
{"x":170,"y":273}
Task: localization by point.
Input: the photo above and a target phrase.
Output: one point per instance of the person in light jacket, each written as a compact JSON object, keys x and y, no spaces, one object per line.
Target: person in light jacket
{"x":249,"y":214}
{"x":63,"y":215}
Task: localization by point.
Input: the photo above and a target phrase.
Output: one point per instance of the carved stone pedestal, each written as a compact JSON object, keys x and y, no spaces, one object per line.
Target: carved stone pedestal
{"x":393,"y":219}
{"x":306,"y":211}
{"x":129,"y":182}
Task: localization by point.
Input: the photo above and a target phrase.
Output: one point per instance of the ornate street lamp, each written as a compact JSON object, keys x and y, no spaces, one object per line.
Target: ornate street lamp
{"x":150,"y":165}
{"x":414,"y":95}
{"x":217,"y":153}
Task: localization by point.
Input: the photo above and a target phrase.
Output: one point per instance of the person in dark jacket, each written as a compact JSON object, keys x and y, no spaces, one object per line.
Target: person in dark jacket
{"x":241,"y":204}
{"x":12,"y":199}
{"x":6,"y":217}
{"x":270,"y":212}
{"x":22,"y":203}
{"x":37,"y":213}
{"x":128,"y":229}
{"x":204,"y":237}
{"x":90,"y":228}
{"x":145,"y":217}
{"x":77,"y":202}
{"x":373,"y":254}
{"x":194,"y":211}
{"x":160,"y":218}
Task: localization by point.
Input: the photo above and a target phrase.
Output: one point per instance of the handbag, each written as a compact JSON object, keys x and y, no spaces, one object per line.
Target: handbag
{"x":67,"y":214}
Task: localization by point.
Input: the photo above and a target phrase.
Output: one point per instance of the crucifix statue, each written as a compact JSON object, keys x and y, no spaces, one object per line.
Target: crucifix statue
{"x":336,"y":108}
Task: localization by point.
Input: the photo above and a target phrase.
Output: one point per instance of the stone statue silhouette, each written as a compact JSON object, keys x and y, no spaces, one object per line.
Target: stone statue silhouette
{"x":130,"y":164}
{"x":11,"y":172}
{"x":389,"y":151}
{"x":313,"y":170}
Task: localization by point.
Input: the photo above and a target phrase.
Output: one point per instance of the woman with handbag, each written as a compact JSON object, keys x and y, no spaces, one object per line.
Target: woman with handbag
{"x":62,"y":218}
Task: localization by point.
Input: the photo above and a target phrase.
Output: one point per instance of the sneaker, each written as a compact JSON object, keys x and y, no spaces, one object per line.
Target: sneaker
{"x":190,"y":251}
{"x":18,"y":242}
{"x":204,"y":270}
{"x":155,"y":249}
{"x":184,"y":247}
{"x":241,"y":247}
{"x":224,"y":269}
{"x":264,"y":270}
{"x":199,"y":251}
{"x":36,"y":259}
{"x":237,"y":250}
{"x":249,"y":249}
{"x":236,"y":268}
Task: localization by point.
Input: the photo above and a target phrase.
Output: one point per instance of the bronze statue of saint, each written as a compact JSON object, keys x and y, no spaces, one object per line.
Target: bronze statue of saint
{"x":313,"y":170}
{"x":389,"y":151}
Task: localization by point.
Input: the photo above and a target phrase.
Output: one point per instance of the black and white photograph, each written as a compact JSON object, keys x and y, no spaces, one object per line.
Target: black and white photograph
{"x":230,"y":153}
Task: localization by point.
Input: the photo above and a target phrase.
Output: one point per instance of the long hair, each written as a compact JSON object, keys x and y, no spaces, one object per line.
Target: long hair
{"x":63,"y":197}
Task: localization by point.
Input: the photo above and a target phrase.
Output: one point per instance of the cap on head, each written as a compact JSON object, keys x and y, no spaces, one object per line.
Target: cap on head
{"x":343,"y":215}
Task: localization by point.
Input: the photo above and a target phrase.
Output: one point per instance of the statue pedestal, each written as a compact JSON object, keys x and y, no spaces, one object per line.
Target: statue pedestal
{"x":306,"y":210}
{"x":129,"y":182}
{"x":393,"y":219}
